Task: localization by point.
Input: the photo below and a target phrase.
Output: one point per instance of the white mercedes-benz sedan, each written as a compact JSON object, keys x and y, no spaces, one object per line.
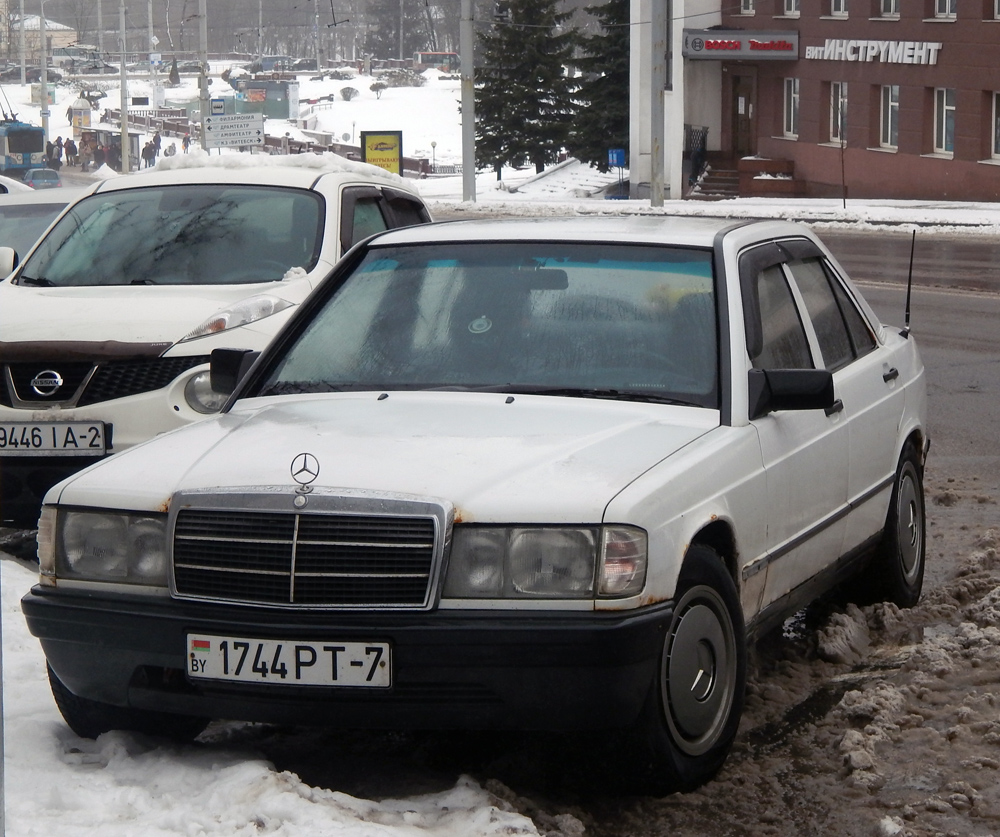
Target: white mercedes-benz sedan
{"x":511,"y":475}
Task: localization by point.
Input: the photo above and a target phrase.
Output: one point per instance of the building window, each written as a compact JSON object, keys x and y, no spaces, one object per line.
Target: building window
{"x":889,"y":137}
{"x":946,"y":8}
{"x":791,"y":126}
{"x":890,"y":8}
{"x":838,"y":112}
{"x":838,"y":8}
{"x":944,"y":120}
{"x":996,"y":126}
{"x":996,"y":9}
{"x":791,"y":8}
{"x":746,"y":7}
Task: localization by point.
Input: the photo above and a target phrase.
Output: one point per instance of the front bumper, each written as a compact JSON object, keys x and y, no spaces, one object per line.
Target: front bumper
{"x":524,"y":670}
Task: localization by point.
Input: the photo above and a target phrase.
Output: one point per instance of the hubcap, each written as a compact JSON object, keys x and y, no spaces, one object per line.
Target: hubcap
{"x":909,"y":525}
{"x":699,"y":671}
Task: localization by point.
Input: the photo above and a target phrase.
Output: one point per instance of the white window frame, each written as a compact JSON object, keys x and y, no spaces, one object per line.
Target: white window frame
{"x":838,"y":112}
{"x":996,"y":126}
{"x":996,"y":9}
{"x":944,"y":120}
{"x":790,"y":126}
{"x":889,"y":117}
{"x":838,"y":8}
{"x":946,"y":9}
{"x":791,"y":8}
{"x":890,"y":8}
{"x":747,"y":7}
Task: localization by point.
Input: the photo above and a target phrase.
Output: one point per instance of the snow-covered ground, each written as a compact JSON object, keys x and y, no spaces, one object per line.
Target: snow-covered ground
{"x":862,"y":722}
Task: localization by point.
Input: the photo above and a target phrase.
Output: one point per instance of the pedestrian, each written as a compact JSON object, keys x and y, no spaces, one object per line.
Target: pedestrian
{"x":156,"y":144}
{"x":100,"y":156}
{"x":71,"y":152}
{"x":170,"y":150}
{"x":86,"y":154}
{"x":50,"y":153}
{"x":186,"y":143}
{"x":148,"y":155}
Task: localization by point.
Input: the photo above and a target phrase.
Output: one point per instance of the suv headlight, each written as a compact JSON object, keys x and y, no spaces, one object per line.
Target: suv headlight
{"x":108,"y":546}
{"x":201,"y":397}
{"x":492,"y":562}
{"x":245,"y":311}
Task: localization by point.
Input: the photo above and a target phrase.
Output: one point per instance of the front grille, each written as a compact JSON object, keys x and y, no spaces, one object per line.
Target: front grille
{"x":120,"y":378}
{"x":112,"y":379}
{"x":304,"y":560}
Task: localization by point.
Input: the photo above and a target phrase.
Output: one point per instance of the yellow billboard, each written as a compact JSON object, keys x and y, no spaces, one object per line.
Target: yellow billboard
{"x":383,"y":149}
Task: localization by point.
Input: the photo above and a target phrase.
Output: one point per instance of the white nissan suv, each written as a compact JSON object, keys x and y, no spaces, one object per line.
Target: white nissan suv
{"x":107,"y":325}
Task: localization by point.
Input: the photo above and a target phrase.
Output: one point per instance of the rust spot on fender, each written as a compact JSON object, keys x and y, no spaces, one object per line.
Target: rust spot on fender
{"x":164,"y":507}
{"x":461,"y":516}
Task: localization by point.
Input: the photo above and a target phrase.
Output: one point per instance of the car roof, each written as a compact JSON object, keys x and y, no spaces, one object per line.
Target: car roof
{"x":299,"y":170}
{"x":672,"y":230}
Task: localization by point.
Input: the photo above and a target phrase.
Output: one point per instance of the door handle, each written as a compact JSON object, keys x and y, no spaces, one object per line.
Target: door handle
{"x":836,"y":407}
{"x":890,"y":375}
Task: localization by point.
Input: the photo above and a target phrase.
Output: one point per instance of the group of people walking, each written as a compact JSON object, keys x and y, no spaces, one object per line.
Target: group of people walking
{"x":88,"y":153}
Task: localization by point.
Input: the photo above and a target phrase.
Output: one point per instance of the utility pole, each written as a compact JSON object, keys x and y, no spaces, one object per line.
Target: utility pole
{"x":657,"y":88}
{"x":44,"y":77}
{"x":400,"y":30}
{"x":100,"y":29}
{"x":23,"y":50}
{"x":465,"y":44}
{"x":203,"y":58}
{"x":316,"y":32}
{"x":126,"y":155}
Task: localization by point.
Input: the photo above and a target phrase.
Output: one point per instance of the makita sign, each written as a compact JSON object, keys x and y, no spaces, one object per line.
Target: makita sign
{"x":886,"y":52}
{"x":732,"y":44}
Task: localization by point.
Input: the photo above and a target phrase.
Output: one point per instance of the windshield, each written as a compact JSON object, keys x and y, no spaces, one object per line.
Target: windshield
{"x":605,"y":321}
{"x":180,"y":235}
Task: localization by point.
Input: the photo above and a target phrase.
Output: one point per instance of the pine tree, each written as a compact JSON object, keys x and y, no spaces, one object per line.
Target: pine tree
{"x":602,"y":117}
{"x":524,"y":99}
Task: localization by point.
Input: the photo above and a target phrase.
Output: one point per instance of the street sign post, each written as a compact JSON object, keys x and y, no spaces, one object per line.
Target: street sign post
{"x":234,"y":130}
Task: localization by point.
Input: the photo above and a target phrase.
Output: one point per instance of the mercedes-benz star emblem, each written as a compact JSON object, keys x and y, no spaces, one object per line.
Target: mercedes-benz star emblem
{"x":47,"y":383}
{"x":305,"y":470}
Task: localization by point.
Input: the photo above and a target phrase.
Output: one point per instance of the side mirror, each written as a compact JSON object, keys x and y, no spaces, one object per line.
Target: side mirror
{"x":8,"y":261}
{"x":227,"y":367}
{"x":789,"y":389}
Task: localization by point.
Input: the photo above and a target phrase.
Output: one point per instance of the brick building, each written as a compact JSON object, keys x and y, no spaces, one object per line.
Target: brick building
{"x":892,"y":98}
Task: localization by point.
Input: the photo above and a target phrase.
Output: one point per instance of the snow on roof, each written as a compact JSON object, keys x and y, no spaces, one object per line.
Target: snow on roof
{"x":324,"y":163}
{"x":31,"y":24}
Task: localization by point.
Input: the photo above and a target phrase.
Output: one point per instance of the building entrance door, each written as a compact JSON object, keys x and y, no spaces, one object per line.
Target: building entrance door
{"x":744,"y":116}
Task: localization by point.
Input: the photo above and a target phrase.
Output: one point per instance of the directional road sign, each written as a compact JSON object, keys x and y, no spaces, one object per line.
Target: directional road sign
{"x":234,"y":130}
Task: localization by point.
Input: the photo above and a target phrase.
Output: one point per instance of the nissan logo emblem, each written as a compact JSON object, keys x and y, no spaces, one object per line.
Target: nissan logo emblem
{"x":47,"y":383}
{"x":305,"y":469}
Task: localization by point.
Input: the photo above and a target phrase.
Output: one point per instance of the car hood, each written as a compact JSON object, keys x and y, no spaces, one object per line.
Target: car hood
{"x":494,"y":457}
{"x":146,"y":314}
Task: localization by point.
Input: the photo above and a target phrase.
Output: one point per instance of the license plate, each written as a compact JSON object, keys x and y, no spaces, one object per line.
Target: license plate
{"x":62,"y":438}
{"x":320,"y":663}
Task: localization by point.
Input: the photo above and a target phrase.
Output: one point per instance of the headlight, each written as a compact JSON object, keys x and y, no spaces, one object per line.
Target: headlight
{"x":545,"y":562}
{"x":245,"y":311}
{"x":111,"y":546}
{"x":201,"y":397}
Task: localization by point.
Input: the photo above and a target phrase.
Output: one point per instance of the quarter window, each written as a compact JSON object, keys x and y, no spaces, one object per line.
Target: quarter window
{"x":791,"y":126}
{"x":889,"y":137}
{"x":944,"y":120}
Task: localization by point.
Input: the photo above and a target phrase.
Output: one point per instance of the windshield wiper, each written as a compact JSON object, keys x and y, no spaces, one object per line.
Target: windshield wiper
{"x":612,"y":394}
{"x":37,"y":281}
{"x":299,"y":388}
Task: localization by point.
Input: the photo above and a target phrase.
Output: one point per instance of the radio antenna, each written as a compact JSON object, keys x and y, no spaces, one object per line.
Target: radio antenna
{"x":909,"y":288}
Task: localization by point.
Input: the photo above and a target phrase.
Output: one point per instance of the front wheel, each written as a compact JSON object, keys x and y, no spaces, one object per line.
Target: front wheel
{"x":693,"y":712}
{"x":89,"y":718}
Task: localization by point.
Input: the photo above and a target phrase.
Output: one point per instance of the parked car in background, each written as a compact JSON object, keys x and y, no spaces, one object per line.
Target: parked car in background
{"x":108,"y":324}
{"x":42,"y":179}
{"x":24,"y":216}
{"x":33,"y":75}
{"x":521,"y":475}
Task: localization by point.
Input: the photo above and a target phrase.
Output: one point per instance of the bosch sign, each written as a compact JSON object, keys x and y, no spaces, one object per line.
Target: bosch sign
{"x":729,"y":44}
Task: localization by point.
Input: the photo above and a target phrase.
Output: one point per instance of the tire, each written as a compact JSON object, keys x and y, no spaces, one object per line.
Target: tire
{"x":693,"y":710}
{"x":89,"y":718}
{"x":897,"y":568}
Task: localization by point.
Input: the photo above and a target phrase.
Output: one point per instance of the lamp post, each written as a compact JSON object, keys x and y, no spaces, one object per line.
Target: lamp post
{"x":43,"y":76}
{"x":434,"y":146}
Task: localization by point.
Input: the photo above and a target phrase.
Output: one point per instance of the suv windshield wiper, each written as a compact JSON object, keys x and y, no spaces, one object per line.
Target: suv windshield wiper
{"x":613,"y":394}
{"x":37,"y":281}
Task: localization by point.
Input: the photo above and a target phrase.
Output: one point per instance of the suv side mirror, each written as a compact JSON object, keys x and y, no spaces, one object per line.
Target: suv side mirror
{"x":789,"y":389}
{"x":227,"y":367}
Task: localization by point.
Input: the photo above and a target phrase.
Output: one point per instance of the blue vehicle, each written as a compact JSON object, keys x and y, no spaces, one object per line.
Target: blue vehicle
{"x":22,"y":147}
